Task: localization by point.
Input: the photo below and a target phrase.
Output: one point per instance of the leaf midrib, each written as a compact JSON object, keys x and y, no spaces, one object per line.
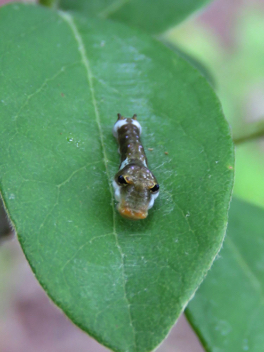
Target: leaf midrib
{"x":112,"y":8}
{"x":253,"y":279}
{"x":85,"y":61}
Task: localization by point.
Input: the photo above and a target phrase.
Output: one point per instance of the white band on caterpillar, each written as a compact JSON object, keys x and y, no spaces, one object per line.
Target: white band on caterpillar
{"x":120,"y":123}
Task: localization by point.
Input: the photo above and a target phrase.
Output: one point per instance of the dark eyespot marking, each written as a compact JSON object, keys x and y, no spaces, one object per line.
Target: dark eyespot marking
{"x":121,"y":180}
{"x":155,"y":188}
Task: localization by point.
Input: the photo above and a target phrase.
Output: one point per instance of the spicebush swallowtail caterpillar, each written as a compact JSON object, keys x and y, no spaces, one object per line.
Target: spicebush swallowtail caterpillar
{"x":136,"y":188}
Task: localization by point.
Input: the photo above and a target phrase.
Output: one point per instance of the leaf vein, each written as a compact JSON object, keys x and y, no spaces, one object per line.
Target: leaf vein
{"x":41,"y":87}
{"x":75,"y":172}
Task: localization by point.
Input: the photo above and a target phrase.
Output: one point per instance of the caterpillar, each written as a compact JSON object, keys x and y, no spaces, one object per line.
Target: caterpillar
{"x":135,"y":186}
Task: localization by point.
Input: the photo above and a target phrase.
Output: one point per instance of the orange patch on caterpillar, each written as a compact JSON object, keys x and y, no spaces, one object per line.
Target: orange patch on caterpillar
{"x":132,"y":214}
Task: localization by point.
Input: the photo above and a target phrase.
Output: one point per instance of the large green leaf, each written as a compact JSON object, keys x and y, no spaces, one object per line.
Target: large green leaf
{"x":151,"y":16}
{"x":63,"y":79}
{"x":227,"y":310}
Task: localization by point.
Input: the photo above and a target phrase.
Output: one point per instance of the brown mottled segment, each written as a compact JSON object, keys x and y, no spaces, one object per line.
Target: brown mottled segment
{"x":130,"y":145}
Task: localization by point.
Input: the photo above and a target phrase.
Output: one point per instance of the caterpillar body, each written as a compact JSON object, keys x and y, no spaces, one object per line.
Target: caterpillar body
{"x":135,"y":186}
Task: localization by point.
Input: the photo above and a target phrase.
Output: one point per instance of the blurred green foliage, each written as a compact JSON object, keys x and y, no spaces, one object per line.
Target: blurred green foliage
{"x":238,"y":70}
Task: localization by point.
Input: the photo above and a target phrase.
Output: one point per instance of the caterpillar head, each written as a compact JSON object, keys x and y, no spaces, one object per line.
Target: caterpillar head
{"x":136,"y":189}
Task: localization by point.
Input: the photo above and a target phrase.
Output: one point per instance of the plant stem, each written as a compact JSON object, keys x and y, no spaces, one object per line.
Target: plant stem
{"x":250,"y":131}
{"x":49,"y":3}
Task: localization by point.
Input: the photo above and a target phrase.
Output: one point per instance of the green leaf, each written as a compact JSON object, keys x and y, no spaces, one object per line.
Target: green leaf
{"x":227,"y":310}
{"x":64,"y":79}
{"x":192,"y":60}
{"x":151,"y":16}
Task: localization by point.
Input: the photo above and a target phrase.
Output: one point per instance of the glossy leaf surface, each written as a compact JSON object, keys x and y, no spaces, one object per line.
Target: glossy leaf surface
{"x":227,"y":310}
{"x":64,"y":79}
{"x":151,"y":16}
